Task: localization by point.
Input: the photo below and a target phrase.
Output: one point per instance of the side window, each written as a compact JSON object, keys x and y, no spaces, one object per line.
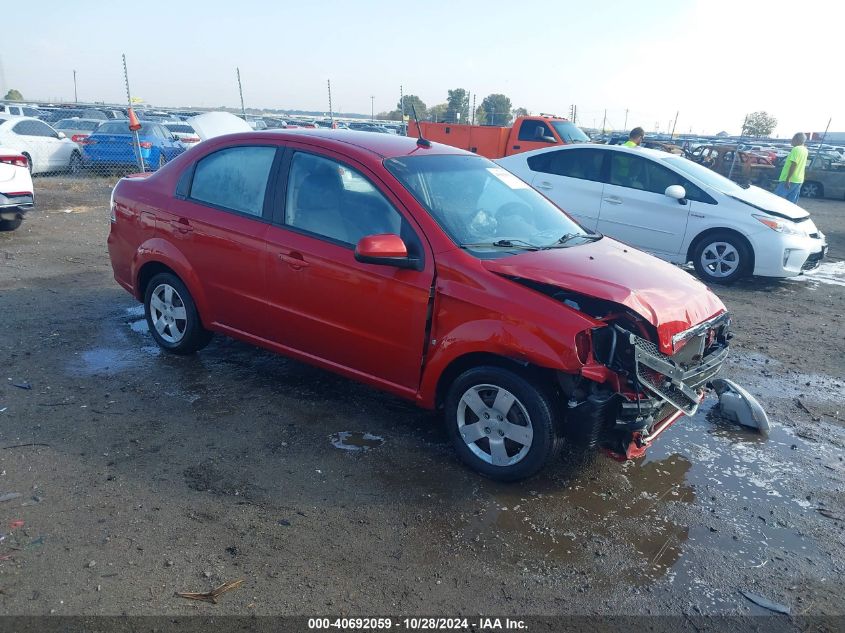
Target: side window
{"x":42,"y":129}
{"x":627,"y":170}
{"x":335,"y":201}
{"x":646,"y":175}
{"x":534,"y":131}
{"x":584,"y":164}
{"x":27,"y":128}
{"x":234,"y":178}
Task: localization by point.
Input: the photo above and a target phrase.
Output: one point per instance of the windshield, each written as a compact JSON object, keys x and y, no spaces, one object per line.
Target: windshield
{"x":703,"y":174}
{"x":76,"y":124}
{"x":182,"y":129}
{"x":482,"y":206}
{"x":569,"y":132}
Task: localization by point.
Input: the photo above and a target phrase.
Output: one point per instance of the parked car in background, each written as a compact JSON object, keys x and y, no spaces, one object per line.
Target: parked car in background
{"x":824,"y":178}
{"x":11,"y":110}
{"x":45,"y":148}
{"x":77,"y":129}
{"x":676,"y":209}
{"x":17,"y":194}
{"x":58,"y":114}
{"x":115,"y":114}
{"x":493,"y":305}
{"x":185,"y":133}
{"x":738,"y":165}
{"x":111,"y":146}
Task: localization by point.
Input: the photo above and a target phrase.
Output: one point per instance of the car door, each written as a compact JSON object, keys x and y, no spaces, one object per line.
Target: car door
{"x":34,"y":143}
{"x":59,"y":149}
{"x":571,"y":178}
{"x":367,"y":319}
{"x":532,"y":134}
{"x":635,"y":208}
{"x":218,"y":222}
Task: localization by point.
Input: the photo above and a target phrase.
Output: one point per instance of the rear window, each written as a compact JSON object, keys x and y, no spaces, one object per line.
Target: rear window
{"x":181,"y":129}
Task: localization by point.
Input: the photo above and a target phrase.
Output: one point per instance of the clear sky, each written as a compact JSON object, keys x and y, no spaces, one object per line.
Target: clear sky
{"x":712,"y":60}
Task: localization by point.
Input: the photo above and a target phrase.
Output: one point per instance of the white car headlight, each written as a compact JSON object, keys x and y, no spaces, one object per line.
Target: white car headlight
{"x":781,"y":226}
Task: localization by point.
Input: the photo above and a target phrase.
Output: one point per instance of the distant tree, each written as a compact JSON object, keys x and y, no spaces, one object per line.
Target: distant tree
{"x":393,"y":115}
{"x":480,"y":116}
{"x":458,"y":104}
{"x":438,"y":112}
{"x":518,"y":112}
{"x":416,"y":102}
{"x":497,"y":107}
{"x":759,"y":124}
{"x":13,"y":95}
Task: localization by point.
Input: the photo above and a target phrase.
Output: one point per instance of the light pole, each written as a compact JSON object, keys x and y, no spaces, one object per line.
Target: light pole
{"x":373,"y":108}
{"x":75,"y":98}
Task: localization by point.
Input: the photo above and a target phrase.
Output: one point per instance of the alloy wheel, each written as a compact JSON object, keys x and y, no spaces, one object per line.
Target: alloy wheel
{"x":494,"y":424}
{"x":167,"y":312}
{"x":720,"y":259}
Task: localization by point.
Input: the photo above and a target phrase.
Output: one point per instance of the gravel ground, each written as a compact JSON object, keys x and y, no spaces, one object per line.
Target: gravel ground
{"x":142,"y":474}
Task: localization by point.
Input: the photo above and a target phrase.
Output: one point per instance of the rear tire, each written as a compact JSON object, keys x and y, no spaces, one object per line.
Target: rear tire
{"x":502,"y":425}
{"x":811,"y":190}
{"x":76,"y":165}
{"x":172,"y":316}
{"x":10,"y":225}
{"x":721,"y":258}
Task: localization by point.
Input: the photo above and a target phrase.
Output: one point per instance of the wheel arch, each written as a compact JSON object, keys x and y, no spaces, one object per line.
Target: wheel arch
{"x":715,"y":230}
{"x":818,"y":183}
{"x":470,"y":360}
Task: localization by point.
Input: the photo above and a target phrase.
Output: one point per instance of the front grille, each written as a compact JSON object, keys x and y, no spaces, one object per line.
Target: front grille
{"x":669,"y":380}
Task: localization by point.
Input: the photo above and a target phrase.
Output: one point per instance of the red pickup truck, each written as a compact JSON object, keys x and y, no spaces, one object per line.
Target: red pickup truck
{"x":424,"y":271}
{"x":527,"y":133}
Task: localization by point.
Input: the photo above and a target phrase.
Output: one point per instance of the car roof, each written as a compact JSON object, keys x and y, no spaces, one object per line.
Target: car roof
{"x":77,"y":118}
{"x":640,"y":151}
{"x":383,"y":145}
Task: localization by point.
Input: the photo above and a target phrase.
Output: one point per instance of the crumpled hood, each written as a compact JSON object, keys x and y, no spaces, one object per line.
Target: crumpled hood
{"x":768,"y":201}
{"x":666,"y":296}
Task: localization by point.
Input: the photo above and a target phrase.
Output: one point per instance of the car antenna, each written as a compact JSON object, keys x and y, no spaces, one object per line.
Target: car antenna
{"x":421,"y":141}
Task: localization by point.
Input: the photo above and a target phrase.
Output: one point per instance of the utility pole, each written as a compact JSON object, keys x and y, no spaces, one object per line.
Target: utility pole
{"x":373,"y":108}
{"x":824,"y":136}
{"x":402,"y":102}
{"x":675,"y":124}
{"x":741,"y":132}
{"x":75,"y":97}
{"x":331,"y":112}
{"x":241,"y":92}
{"x":136,"y":143}
{"x":625,"y":127}
{"x":473,"y":108}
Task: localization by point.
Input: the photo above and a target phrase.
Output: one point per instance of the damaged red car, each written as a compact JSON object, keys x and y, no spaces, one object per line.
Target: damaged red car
{"x":425,"y":271}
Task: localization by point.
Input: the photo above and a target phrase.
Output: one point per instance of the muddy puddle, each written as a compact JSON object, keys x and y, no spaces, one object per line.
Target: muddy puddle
{"x":355,"y":440}
{"x":828,"y":273}
{"x":654,"y":518}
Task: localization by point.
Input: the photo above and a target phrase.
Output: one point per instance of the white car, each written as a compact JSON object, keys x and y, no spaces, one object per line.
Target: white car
{"x":45,"y":148}
{"x":675,"y":209}
{"x":184,"y":133}
{"x":16,"y":193}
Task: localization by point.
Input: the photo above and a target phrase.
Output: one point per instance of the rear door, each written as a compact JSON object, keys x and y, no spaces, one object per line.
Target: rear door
{"x":571,"y":178}
{"x":219,"y":223}
{"x":634,"y":207}
{"x":367,"y":319}
{"x":33,"y":141}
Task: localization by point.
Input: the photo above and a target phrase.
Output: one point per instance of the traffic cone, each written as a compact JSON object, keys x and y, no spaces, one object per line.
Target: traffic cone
{"x":134,"y":123}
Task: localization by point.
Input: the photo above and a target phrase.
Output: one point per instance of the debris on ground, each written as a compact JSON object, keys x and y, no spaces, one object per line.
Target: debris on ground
{"x":765,"y":603}
{"x":16,"y":524}
{"x":22,"y":385}
{"x":211,"y":596}
{"x":9,"y":496}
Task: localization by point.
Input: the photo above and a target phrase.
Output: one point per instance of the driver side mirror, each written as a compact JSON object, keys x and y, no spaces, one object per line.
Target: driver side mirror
{"x":677,"y":192}
{"x":386,"y":249}
{"x":61,"y":135}
{"x":548,"y":139}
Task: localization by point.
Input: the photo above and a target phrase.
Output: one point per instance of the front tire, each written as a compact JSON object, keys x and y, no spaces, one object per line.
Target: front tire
{"x":172,"y":316}
{"x":721,"y":258}
{"x":75,"y":166}
{"x":502,"y":425}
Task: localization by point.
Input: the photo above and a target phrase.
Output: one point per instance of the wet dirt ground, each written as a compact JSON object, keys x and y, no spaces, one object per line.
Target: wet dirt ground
{"x":142,"y":474}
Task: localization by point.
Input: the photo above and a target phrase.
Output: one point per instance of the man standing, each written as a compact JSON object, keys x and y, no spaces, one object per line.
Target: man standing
{"x":792,"y":174}
{"x":634,"y":138}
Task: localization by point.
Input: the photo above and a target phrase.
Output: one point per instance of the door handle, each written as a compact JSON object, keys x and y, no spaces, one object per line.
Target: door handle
{"x":182,"y":225}
{"x":517,"y":146}
{"x":613,"y":200}
{"x":295,"y":260}
{"x":544,"y":185}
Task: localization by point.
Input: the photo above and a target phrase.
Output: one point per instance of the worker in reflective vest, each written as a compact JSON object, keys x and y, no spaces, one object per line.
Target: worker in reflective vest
{"x":634,"y":138}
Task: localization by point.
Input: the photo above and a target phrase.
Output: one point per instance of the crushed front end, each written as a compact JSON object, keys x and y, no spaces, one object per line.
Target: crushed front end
{"x":629,"y":392}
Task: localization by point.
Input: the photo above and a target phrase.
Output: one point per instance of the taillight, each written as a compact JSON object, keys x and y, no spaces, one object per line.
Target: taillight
{"x":582,"y":346}
{"x":14,"y":159}
{"x":84,"y":140}
{"x":145,"y":144}
{"x":76,"y":138}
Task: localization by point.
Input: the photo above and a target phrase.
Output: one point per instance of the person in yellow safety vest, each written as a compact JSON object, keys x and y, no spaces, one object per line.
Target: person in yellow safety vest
{"x":635,"y":138}
{"x":792,"y":174}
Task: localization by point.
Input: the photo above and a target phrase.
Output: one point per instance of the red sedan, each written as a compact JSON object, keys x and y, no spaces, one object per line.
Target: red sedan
{"x":425,"y":271}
